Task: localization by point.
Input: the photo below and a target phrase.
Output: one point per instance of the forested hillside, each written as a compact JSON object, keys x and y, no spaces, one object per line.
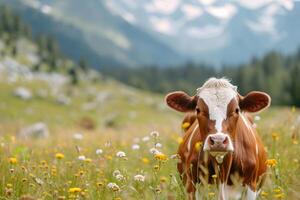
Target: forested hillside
{"x":274,"y":73}
{"x":40,"y":53}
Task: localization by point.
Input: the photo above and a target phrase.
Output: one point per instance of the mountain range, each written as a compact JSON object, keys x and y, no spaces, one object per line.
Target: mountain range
{"x":137,"y":33}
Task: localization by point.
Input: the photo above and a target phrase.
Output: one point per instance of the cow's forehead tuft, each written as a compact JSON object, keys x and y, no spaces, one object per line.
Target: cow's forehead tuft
{"x":215,"y":83}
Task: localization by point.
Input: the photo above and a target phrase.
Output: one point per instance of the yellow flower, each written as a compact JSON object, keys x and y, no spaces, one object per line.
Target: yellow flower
{"x":145,"y":160}
{"x":160,"y":156}
{"x":158,"y":190}
{"x":163,"y":179}
{"x":185,"y":125}
{"x":198,"y":146}
{"x":59,"y":156}
{"x":9,"y":185}
{"x":279,"y":196}
{"x":81,"y":172}
{"x":43,"y":162}
{"x":277,"y":190}
{"x":53,"y":171}
{"x":293,"y":109}
{"x":211,"y":194}
{"x":117,"y":198}
{"x":214,"y":176}
{"x":75,"y":190}
{"x":108,"y":157}
{"x":275,"y":136}
{"x":156,"y":167}
{"x":264,"y":194}
{"x":100,"y":184}
{"x":271,"y":162}
{"x":13,"y":139}
{"x":13,"y":160}
{"x":179,"y":140}
{"x":295,"y":141}
{"x":88,"y":160}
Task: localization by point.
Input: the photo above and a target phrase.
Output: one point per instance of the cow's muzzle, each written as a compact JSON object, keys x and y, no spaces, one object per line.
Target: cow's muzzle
{"x":218,"y":145}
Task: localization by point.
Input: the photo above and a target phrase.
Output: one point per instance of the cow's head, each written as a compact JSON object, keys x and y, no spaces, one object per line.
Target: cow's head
{"x":218,"y":107}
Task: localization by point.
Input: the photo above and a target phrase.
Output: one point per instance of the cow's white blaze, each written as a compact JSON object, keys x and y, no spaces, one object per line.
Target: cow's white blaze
{"x":217,"y":100}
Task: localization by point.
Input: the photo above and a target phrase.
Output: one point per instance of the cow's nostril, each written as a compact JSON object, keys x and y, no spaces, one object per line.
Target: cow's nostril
{"x":225,"y":140}
{"x":212,"y":142}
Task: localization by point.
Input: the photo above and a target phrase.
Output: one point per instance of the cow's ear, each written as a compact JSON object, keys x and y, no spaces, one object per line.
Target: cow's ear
{"x":182,"y":102}
{"x":254,"y":101}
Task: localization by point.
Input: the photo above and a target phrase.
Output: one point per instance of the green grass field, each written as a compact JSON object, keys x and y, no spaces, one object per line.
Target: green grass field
{"x":94,"y":167}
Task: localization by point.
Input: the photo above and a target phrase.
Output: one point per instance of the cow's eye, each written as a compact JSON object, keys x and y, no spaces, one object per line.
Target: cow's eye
{"x":198,"y":110}
{"x":237,"y":110}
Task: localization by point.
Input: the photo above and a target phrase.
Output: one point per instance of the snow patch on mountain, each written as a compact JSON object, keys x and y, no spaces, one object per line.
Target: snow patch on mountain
{"x":266,"y":22}
{"x":162,"y":6}
{"x":191,"y":11}
{"x":224,"y":12}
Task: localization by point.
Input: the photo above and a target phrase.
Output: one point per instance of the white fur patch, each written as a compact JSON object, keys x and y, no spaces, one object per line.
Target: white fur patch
{"x":197,"y":195}
{"x":251,"y":195}
{"x":234,"y":192}
{"x":222,"y":192}
{"x":191,"y":137}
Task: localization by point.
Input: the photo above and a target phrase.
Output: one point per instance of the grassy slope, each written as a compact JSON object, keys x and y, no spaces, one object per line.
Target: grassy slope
{"x":146,"y":108}
{"x":58,"y":176}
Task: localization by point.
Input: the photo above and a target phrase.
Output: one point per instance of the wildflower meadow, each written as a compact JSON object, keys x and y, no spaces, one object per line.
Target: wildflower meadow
{"x":134,"y":168}
{"x":135,"y":159}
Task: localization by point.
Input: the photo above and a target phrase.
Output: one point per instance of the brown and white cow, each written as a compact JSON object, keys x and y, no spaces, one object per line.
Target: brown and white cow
{"x":231,"y":146}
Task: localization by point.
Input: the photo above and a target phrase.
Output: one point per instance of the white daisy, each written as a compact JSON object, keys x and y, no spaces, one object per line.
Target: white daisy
{"x":146,"y":138}
{"x":120,"y":177}
{"x":116,"y":172}
{"x":99,"y":151}
{"x":121,"y":154}
{"x":154,"y":134}
{"x":257,"y":118}
{"x":154,"y":151}
{"x":139,"y":178}
{"x":78,"y":136}
{"x":135,"y":147}
{"x":82,"y":157}
{"x":158,"y":145}
{"x":113,"y":186}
